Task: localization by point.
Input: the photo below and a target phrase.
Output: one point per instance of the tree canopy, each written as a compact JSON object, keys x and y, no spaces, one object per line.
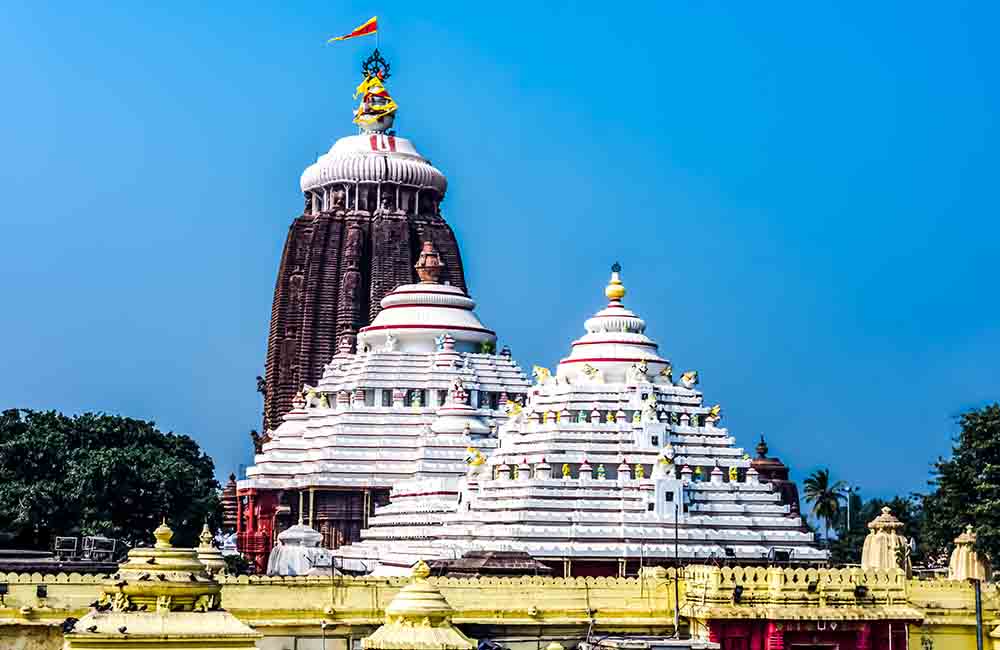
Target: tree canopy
{"x":967,"y":487}
{"x":95,"y":474}
{"x":825,"y":496}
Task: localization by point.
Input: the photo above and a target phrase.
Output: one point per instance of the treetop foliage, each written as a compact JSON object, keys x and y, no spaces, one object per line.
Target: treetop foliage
{"x":95,"y":474}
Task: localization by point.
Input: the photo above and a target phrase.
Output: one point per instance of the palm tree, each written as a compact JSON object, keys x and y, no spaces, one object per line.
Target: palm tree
{"x":824,"y":497}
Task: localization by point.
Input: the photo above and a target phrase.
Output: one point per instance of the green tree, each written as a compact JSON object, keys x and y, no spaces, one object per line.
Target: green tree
{"x":966,"y":488}
{"x":825,"y":497}
{"x":96,"y":474}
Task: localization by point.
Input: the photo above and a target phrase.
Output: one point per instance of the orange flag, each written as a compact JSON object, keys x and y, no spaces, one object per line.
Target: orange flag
{"x":370,"y":27}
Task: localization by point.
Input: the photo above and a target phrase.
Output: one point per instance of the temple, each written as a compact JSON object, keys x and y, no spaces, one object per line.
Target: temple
{"x":611,"y":465}
{"x":371,"y":202}
{"x":418,"y":393}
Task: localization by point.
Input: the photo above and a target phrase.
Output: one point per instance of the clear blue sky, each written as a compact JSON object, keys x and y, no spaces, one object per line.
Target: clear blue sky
{"x":804,"y":198}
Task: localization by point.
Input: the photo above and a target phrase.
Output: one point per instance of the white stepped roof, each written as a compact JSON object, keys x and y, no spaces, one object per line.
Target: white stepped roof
{"x":601,"y":428}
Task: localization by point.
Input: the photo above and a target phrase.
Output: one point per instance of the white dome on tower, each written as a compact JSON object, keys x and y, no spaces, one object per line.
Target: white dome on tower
{"x":417,"y":317}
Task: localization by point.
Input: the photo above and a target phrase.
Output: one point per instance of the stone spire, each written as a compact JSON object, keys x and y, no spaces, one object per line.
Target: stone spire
{"x":965,"y":562}
{"x":418,"y":618}
{"x":371,"y":202}
{"x":884,"y":545}
{"x":161,"y":597}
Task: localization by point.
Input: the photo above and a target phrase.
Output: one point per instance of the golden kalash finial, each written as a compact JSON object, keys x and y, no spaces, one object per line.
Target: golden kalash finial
{"x":615,"y":289}
{"x":163,"y":534}
{"x":420,"y":570}
{"x":206,"y":536}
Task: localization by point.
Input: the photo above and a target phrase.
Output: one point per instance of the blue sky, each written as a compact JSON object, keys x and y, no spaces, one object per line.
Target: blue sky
{"x":803,"y":197}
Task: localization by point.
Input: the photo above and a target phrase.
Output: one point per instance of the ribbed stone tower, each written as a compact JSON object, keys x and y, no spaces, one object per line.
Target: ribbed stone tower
{"x":370,"y":203}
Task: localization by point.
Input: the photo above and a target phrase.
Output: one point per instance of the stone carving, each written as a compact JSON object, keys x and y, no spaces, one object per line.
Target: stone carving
{"x":593,"y":374}
{"x":338,"y":199}
{"x":649,"y":409}
{"x":513,"y":408}
{"x":565,"y":470}
{"x":689,"y":379}
{"x":120,"y":602}
{"x":163,"y":603}
{"x":439,"y":342}
{"x":204,"y":603}
{"x":637,"y":373}
{"x":476,"y":462}
{"x":640,"y":471}
{"x":541,"y":375}
{"x":312,"y":397}
{"x":667,"y":374}
{"x":428,"y":264}
{"x":391,"y":343}
{"x":601,"y":472}
{"x":734,"y":474}
{"x":259,"y":440}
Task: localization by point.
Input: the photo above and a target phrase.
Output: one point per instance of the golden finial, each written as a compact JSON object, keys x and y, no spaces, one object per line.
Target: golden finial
{"x":206,"y":536}
{"x":420,"y":570}
{"x":163,"y":535}
{"x":615,"y":289}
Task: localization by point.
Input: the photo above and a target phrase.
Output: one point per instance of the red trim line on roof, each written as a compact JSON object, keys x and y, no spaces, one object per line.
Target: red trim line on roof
{"x":413,"y":304}
{"x":446,"y":328}
{"x":459,"y":293}
{"x":612,"y":359}
{"x":648,"y":345}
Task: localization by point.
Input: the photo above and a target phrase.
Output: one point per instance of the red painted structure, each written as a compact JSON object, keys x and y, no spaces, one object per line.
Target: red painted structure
{"x":802,"y":635}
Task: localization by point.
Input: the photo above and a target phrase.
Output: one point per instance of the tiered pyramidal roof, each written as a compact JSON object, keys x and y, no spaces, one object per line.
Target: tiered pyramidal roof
{"x":424,"y":385}
{"x":610,"y":462}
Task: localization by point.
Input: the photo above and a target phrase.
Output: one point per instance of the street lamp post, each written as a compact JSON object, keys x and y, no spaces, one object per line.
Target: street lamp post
{"x":849,"y":490}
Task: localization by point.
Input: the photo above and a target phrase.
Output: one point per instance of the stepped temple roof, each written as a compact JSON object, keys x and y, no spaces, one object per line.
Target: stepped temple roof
{"x":600,"y":463}
{"x":423,"y":386}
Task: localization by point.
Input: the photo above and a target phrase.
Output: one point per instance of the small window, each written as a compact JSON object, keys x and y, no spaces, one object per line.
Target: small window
{"x":656,"y":441}
{"x":650,"y":506}
{"x":669,"y":497}
{"x":370,"y":397}
{"x":386,"y":397}
{"x":442,"y":396}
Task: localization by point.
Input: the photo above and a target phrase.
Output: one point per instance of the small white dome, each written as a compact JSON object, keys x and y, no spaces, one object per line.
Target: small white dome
{"x":414,"y":315}
{"x":615,"y":341}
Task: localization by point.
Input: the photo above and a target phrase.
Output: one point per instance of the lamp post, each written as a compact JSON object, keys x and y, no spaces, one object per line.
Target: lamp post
{"x":849,"y":490}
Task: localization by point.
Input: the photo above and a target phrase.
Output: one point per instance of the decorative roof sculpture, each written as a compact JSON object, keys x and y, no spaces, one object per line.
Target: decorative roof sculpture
{"x":418,"y":618}
{"x":636,"y":453}
{"x":161,"y":597}
{"x":966,"y":563}
{"x":377,"y":110}
{"x":885,"y":547}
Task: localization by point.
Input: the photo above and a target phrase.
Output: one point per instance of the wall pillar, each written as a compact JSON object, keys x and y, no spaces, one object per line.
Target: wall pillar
{"x":757,"y":635}
{"x":312,"y":505}
{"x":865,"y":637}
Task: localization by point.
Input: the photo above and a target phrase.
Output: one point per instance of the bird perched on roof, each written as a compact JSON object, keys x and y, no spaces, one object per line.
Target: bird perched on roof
{"x":92,"y":628}
{"x":123,"y":629}
{"x":143,"y":577}
{"x":69,"y":624}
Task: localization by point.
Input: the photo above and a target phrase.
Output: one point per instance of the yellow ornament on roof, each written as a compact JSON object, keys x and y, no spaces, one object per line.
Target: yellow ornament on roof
{"x":615,"y":289}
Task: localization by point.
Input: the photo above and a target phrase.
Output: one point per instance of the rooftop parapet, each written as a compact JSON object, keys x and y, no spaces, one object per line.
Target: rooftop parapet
{"x":797,"y":593}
